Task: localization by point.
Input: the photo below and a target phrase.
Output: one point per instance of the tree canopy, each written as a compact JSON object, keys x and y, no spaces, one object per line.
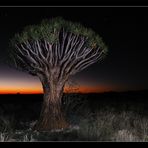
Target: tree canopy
{"x":49,"y":30}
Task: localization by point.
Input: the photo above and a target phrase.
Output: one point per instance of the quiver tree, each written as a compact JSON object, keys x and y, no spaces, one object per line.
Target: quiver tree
{"x":53,"y":51}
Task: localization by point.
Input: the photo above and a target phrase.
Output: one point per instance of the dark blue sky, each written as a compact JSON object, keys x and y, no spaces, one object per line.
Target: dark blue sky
{"x":124,"y":30}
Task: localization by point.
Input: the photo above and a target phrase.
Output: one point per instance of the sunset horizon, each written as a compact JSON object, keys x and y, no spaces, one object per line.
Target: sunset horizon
{"x":82,"y":89}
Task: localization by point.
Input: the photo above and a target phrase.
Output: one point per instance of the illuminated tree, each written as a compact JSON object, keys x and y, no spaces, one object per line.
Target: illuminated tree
{"x":53,"y":51}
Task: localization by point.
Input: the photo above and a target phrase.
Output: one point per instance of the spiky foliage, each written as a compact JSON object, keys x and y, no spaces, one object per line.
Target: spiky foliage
{"x":49,"y":30}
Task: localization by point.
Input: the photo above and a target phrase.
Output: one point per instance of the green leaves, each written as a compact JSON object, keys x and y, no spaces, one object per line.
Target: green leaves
{"x":49,"y":30}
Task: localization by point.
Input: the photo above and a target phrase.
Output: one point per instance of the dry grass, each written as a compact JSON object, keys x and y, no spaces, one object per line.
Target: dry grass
{"x":102,"y":124}
{"x":111,"y":126}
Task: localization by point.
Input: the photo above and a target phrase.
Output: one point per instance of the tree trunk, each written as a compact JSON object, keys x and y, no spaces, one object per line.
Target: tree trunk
{"x":52,"y":116}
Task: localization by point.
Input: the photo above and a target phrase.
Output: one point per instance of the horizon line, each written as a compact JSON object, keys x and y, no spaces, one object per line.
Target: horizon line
{"x":112,"y":91}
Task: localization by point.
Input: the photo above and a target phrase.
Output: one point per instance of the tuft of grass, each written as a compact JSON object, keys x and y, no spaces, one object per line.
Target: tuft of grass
{"x":4,"y":137}
{"x":28,"y":138}
{"x":125,"y":136}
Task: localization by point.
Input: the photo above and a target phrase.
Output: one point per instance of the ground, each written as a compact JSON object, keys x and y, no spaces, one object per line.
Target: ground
{"x":93,"y":117}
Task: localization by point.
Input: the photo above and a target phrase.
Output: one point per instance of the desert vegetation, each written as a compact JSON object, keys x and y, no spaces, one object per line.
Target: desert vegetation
{"x":93,"y":117}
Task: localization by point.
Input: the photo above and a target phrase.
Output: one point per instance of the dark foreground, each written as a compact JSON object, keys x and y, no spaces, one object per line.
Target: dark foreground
{"x":95,"y":117}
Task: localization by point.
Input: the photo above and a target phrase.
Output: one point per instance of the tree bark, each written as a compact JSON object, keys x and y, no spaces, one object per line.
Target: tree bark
{"x":52,"y":116}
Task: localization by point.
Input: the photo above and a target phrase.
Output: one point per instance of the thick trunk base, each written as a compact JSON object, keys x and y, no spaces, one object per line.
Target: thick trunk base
{"x":52,"y":116}
{"x":49,"y":124}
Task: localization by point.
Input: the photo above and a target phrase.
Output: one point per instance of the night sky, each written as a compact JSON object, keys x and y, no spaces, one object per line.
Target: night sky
{"x":123,"y":29}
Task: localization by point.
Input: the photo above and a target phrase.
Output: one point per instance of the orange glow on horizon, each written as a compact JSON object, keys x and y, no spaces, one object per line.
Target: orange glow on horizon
{"x":22,"y":91}
{"x":81,"y":89}
{"x":88,"y":89}
{"x":31,"y":85}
